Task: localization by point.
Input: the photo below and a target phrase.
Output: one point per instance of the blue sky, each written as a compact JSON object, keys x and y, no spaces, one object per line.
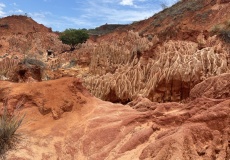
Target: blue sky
{"x":62,"y":14}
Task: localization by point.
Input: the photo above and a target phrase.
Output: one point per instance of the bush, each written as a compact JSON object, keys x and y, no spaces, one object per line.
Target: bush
{"x":32,"y":61}
{"x":73,"y":37}
{"x":225,"y":35}
{"x":8,"y":126}
{"x":223,"y":31}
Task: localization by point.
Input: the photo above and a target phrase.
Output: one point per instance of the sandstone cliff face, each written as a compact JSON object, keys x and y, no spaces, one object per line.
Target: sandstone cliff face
{"x":89,"y":128}
{"x":169,"y":75}
{"x":163,"y":57}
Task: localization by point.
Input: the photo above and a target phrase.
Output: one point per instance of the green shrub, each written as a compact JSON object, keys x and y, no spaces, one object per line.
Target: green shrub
{"x":73,"y":37}
{"x":8,"y":126}
{"x":216,"y":29}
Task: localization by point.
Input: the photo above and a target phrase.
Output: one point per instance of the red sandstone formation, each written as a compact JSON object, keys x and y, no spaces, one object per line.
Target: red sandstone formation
{"x":88,"y":128}
{"x":164,"y":57}
{"x":178,"y":57}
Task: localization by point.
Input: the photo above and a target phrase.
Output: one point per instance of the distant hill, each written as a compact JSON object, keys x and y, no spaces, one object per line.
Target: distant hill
{"x":184,"y":21}
{"x":19,"y":24}
{"x":104,"y":29}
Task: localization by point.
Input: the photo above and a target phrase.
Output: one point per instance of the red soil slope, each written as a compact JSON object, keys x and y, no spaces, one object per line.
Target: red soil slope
{"x":21,"y":36}
{"x":89,"y":128}
{"x":21,"y":25}
{"x":64,"y":121}
{"x":183,"y":21}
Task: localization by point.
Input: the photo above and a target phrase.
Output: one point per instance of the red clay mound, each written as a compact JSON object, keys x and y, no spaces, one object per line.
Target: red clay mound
{"x":54,"y":97}
{"x":94,"y":129}
{"x":20,"y":25}
{"x":21,"y":36}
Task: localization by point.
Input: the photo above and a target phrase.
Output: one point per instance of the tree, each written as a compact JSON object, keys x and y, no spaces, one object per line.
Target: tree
{"x":73,"y":37}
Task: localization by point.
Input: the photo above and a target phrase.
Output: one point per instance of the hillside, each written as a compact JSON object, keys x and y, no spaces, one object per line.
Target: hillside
{"x":163,"y":57}
{"x":155,"y":89}
{"x":21,"y":36}
{"x":190,"y":34}
{"x":105,"y":29}
{"x":18,"y":24}
{"x":185,"y":20}
{"x":88,"y":128}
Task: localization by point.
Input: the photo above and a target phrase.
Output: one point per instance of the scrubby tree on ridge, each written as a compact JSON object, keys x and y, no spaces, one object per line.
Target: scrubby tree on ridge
{"x":73,"y":37}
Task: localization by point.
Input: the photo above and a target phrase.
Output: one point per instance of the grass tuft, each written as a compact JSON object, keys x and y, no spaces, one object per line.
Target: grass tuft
{"x":9,"y":123}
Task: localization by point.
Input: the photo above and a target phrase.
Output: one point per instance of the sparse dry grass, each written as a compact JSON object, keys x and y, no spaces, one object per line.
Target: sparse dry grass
{"x":9,"y":123}
{"x":223,"y":31}
{"x":7,"y":65}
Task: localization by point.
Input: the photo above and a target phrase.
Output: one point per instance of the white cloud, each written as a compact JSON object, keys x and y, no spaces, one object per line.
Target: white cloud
{"x":2,"y":6}
{"x":127,"y":2}
{"x":19,"y":11}
{"x":75,"y":21}
{"x":40,"y":14}
{"x":169,"y":2}
{"x":114,"y":14}
{"x":57,"y":23}
{"x":91,"y":13}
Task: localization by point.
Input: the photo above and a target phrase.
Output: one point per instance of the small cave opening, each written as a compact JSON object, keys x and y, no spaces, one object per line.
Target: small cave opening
{"x":49,"y":52}
{"x":22,"y":73}
{"x":112,"y":97}
{"x":139,"y":54}
{"x":126,"y":101}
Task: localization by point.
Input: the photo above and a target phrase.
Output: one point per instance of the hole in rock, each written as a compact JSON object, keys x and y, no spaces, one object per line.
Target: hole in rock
{"x":22,"y":73}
